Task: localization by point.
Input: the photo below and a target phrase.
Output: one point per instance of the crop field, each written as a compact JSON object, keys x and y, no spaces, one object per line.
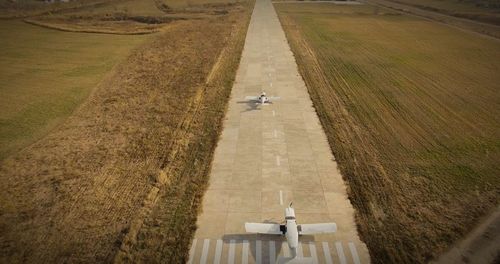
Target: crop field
{"x":46,"y":74}
{"x":121,"y":174}
{"x":411,"y":109}
{"x":486,"y":11}
{"x":476,"y":16}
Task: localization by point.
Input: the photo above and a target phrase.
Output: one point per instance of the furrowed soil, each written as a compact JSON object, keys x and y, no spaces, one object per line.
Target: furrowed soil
{"x":411,"y":111}
{"x":486,"y":11}
{"x":464,"y":15}
{"x":133,"y":160}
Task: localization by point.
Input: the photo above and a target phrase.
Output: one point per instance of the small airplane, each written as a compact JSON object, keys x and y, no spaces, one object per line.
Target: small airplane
{"x":291,"y":230}
{"x":262,"y":99}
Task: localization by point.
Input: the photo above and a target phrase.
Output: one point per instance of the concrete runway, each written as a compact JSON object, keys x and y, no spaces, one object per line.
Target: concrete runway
{"x":269,"y":156}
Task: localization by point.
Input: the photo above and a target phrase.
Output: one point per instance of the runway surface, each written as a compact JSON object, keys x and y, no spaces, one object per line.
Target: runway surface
{"x":269,"y":156}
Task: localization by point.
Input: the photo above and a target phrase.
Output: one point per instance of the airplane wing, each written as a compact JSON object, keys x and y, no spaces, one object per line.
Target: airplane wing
{"x":251,"y":98}
{"x":309,"y":229}
{"x":272,"y":229}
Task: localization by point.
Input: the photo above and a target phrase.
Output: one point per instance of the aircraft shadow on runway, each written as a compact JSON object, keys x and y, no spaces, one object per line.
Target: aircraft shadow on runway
{"x":251,"y":105}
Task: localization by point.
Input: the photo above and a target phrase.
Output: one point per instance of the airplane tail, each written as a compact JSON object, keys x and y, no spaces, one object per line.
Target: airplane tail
{"x":294,"y":260}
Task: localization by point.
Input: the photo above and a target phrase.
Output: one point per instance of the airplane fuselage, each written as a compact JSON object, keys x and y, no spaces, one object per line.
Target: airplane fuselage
{"x":292,"y":236}
{"x":292,"y":232}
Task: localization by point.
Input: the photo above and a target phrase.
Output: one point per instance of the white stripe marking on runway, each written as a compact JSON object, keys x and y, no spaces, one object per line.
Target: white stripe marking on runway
{"x":258,"y":252}
{"x":300,"y":253}
{"x":278,"y":162}
{"x":275,"y":134}
{"x":204,"y":253}
{"x":312,"y":248}
{"x":326,"y":251}
{"x":230,"y":257}
{"x":340,"y":252}
{"x":354,"y":253}
{"x":285,"y":249}
{"x":244,"y":254}
{"x":281,"y":197}
{"x":218,"y":251}
{"x":191,"y":251}
{"x":272,"y":252}
{"x":271,"y":84}
{"x":274,"y":113}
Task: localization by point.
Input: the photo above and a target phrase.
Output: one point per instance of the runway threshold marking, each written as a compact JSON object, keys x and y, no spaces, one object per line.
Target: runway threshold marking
{"x":354,"y":253}
{"x":312,"y":249}
{"x":281,"y":197}
{"x":204,"y":253}
{"x":326,"y":251}
{"x":258,"y":252}
{"x":285,"y":249}
{"x":300,"y":254}
{"x":340,"y":251}
{"x":272,"y":252}
{"x":191,"y":251}
{"x":230,"y":257}
{"x":218,"y":251}
{"x":244,"y":254}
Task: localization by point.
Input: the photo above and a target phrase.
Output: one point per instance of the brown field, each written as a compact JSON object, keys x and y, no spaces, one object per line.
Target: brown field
{"x":121,"y":179}
{"x":486,"y":11}
{"x":46,"y":74}
{"x":465,"y":15}
{"x":411,"y":110}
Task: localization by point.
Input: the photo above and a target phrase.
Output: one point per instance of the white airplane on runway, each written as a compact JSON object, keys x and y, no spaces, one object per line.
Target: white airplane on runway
{"x":292,"y":231}
{"x":261,"y":99}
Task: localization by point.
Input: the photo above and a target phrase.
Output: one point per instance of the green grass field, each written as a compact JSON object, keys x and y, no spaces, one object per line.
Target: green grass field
{"x":412,"y":112}
{"x":45,"y":74}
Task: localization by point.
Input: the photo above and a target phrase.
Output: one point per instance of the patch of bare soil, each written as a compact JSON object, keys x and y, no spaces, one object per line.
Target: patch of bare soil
{"x":138,"y":151}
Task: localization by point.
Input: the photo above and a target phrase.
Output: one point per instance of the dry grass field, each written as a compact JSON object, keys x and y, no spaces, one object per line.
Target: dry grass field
{"x":412,"y":112}
{"x":121,"y":179}
{"x":46,"y":74}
